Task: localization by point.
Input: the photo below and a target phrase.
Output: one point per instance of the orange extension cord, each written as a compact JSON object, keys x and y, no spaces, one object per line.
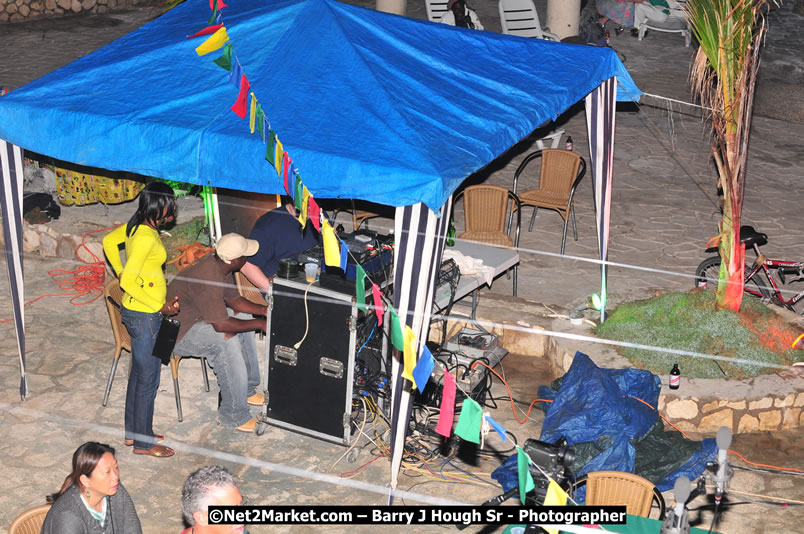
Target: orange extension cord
{"x":513,"y":408}
{"x":85,"y":281}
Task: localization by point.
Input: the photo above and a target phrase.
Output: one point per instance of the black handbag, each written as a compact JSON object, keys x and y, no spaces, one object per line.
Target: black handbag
{"x":166,"y":339}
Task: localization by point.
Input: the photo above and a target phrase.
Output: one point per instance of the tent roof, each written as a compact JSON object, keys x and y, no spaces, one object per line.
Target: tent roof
{"x":369,"y":105}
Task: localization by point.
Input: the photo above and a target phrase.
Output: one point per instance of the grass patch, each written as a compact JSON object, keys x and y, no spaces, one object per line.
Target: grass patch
{"x":692,"y":322}
{"x":184,"y":234}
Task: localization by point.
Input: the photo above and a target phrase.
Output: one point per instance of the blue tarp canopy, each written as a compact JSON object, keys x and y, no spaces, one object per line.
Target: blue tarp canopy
{"x":369,"y":105}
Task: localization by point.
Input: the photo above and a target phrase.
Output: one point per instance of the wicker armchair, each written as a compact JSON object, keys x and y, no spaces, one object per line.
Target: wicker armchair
{"x":561,"y":172}
{"x":30,"y":521}
{"x":617,"y":488}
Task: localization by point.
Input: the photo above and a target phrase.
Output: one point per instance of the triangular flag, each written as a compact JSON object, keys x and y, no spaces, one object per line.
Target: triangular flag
{"x":260,"y":121}
{"x":396,"y":330}
{"x":555,"y":497}
{"x":270,"y":150}
{"x":252,"y":116}
{"x":239,"y":107}
{"x":206,"y":31}
{"x":213,"y":42}
{"x":305,"y":201}
{"x":526,"y":483}
{"x":497,"y":427}
{"x":236,"y":73}
{"x":314,"y":213}
{"x":360,"y":288}
{"x":225,"y":61}
{"x":218,"y":18}
{"x":285,"y":166}
{"x":214,"y":5}
{"x":411,"y":346}
{"x":344,"y":256}
{"x":298,"y":192}
{"x":379,"y":311}
{"x":280,"y":156}
{"x":469,"y":421}
{"x":215,"y":17}
{"x":447,"y":415}
{"x":331,"y":254}
{"x":423,"y":369}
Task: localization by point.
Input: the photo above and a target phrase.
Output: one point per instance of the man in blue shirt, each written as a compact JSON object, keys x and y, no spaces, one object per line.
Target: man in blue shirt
{"x":280,"y":236}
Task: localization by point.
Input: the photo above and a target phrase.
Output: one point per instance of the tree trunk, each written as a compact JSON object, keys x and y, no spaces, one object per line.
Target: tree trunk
{"x":732,"y":253}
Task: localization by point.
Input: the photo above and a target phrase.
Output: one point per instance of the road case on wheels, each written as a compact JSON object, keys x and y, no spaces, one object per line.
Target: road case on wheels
{"x":310,"y":360}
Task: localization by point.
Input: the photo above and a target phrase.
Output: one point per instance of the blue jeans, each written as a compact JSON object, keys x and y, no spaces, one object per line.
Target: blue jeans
{"x":234,"y":361}
{"x":143,"y":380}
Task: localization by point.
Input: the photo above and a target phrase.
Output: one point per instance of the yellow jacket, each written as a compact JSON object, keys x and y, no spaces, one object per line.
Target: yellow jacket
{"x":142,"y":278}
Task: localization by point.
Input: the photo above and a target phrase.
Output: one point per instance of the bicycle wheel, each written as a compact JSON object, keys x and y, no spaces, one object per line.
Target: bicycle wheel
{"x":707,"y":273}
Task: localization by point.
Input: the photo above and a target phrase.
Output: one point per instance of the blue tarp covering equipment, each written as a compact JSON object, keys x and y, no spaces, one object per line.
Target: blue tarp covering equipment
{"x":369,"y":105}
{"x":594,"y":409}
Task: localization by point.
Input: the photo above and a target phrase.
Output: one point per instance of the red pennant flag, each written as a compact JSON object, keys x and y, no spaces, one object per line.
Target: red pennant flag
{"x":444,"y":426}
{"x":314,"y":212}
{"x":206,"y":31}
{"x":286,"y":163}
{"x":378,"y":308}
{"x":221,"y":4}
{"x":241,"y":104}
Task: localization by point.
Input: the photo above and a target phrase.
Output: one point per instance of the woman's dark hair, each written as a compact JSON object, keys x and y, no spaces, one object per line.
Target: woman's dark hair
{"x":154,"y":200}
{"x":85,"y":460}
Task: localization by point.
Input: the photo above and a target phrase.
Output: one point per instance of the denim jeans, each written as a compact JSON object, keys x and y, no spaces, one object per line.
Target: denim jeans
{"x":143,"y":380}
{"x":234,"y":361}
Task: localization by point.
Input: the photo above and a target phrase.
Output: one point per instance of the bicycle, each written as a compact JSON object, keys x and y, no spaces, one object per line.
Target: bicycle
{"x":755,"y":283}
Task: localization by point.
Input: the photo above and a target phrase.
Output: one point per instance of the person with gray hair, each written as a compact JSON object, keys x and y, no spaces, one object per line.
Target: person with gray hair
{"x":212,"y":485}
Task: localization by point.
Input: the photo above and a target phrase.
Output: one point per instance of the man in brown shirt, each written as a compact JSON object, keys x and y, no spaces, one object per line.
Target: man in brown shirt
{"x":213,"y":325}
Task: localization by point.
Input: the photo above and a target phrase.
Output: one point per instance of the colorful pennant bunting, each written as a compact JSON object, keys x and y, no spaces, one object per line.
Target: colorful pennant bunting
{"x":305,"y":203}
{"x":285,"y":168}
{"x":213,"y":42}
{"x":206,"y":31}
{"x":396,"y":330}
{"x":469,"y":421}
{"x":216,"y":4}
{"x":555,"y":497}
{"x":260,"y":120}
{"x":526,"y":483}
{"x":252,"y":116}
{"x":225,"y":61}
{"x":239,"y":107}
{"x":314,"y":212}
{"x":236,"y":73}
{"x":379,"y":311}
{"x":331,"y":252}
{"x":344,"y":256}
{"x":497,"y":427}
{"x":410,"y":353}
{"x":298,"y":192}
{"x":360,"y":288}
{"x":447,"y":412}
{"x":280,"y":156}
{"x":423,"y":369}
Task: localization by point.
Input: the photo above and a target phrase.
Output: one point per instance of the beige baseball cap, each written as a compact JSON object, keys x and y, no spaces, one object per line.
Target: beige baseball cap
{"x":232,"y":246}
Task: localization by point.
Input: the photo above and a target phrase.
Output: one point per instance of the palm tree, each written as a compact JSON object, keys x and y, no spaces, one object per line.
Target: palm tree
{"x":723,"y":77}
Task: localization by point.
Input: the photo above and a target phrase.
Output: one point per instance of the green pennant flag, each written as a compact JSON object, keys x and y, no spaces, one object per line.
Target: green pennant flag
{"x":214,"y":14}
{"x":260,"y":122}
{"x":469,"y":421}
{"x":225,"y":61}
{"x":270,"y":152}
{"x":299,"y":190}
{"x":526,"y":483}
{"x":396,"y":330}
{"x":360,"y":288}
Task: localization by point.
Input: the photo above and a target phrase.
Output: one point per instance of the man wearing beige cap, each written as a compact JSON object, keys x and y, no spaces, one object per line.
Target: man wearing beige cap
{"x":214,"y":325}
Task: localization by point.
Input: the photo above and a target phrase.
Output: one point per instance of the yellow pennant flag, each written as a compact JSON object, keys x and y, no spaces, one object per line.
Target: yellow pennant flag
{"x":332,"y":254}
{"x":411,"y":346}
{"x":555,"y":497}
{"x":280,"y":153}
{"x":303,"y":210}
{"x":213,"y":42}
{"x":253,"y":112}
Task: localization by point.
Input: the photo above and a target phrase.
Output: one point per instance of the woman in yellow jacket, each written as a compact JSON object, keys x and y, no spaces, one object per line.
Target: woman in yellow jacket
{"x":143,"y":281}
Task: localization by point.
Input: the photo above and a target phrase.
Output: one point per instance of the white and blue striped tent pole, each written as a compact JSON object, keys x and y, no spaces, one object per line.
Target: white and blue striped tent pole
{"x":600,"y":108}
{"x":11,"y":167}
{"x":420,"y":235}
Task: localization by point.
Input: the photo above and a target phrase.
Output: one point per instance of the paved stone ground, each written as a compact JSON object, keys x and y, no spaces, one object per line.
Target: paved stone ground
{"x":663,"y":212}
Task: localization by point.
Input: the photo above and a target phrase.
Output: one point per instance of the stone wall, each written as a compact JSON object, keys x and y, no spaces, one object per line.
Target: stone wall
{"x":23,"y":10}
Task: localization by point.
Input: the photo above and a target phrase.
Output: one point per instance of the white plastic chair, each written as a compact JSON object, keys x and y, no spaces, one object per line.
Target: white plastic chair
{"x":436,"y":9}
{"x":519,"y":17}
{"x":675,"y":23}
